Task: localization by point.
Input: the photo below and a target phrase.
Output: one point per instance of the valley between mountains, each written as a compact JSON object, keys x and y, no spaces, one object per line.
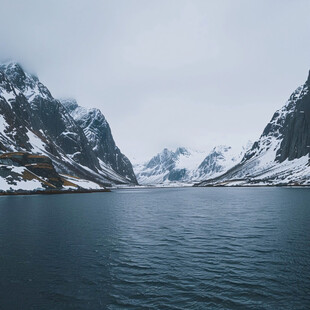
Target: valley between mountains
{"x":50,"y":144}
{"x":279,"y":157}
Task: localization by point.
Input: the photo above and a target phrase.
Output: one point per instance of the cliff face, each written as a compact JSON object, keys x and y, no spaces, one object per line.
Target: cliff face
{"x":99,"y":135}
{"x":32,"y":120}
{"x":296,"y":127}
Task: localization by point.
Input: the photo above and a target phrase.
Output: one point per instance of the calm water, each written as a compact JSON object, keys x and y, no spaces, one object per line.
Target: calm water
{"x":192,"y":248}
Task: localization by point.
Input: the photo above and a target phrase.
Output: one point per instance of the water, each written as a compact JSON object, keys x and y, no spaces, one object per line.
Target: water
{"x":192,"y":248}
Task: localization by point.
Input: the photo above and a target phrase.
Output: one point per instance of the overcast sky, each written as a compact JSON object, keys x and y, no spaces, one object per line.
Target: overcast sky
{"x":165,"y":73}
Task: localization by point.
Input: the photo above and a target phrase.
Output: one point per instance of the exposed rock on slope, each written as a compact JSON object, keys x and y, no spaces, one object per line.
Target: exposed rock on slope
{"x":281,"y":154}
{"x":24,"y":172}
{"x":99,"y":136}
{"x":167,"y":166}
{"x":219,"y":160}
{"x":39,"y":165}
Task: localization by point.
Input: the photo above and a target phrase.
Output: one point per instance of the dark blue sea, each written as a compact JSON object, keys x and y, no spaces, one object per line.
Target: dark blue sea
{"x":180,"y":248}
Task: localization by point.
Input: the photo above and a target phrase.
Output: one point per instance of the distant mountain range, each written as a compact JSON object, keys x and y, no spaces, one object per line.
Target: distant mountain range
{"x":77,"y":140}
{"x":279,"y":157}
{"x":185,"y":165}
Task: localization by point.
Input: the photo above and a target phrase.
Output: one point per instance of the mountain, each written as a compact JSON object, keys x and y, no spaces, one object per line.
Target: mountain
{"x":281,"y":155}
{"x":32,"y":120}
{"x":168,"y":166}
{"x":219,"y":160}
{"x":99,"y":136}
{"x":186,"y":166}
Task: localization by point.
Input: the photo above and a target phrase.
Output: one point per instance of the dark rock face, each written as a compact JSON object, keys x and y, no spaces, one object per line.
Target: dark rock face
{"x":176,"y":175}
{"x":99,"y":135}
{"x":296,"y":128}
{"x":289,"y":126}
{"x":33,"y":121}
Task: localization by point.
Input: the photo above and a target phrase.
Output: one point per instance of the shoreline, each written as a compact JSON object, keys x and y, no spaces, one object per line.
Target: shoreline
{"x":107,"y":190}
{"x":56,"y":192}
{"x":208,"y":186}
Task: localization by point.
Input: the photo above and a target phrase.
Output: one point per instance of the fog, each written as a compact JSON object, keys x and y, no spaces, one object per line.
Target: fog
{"x":165,"y":73}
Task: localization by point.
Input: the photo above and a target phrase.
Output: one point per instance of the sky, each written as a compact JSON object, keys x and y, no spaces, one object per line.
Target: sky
{"x":165,"y":73}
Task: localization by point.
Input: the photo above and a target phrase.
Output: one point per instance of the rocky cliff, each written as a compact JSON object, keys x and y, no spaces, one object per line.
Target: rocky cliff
{"x":99,"y":135}
{"x":32,"y":120}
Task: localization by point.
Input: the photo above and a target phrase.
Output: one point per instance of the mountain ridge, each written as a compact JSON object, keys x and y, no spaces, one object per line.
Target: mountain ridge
{"x":186,"y":166}
{"x":281,"y":155}
{"x":32,"y":120}
{"x":98,"y":133}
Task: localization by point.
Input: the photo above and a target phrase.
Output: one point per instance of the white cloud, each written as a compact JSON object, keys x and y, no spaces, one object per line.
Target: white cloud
{"x":165,"y":73}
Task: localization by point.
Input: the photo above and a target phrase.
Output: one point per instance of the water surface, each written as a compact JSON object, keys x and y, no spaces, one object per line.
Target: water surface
{"x":190,"y":248}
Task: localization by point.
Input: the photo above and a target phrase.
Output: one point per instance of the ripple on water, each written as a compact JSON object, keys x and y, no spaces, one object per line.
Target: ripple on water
{"x":157,"y":249}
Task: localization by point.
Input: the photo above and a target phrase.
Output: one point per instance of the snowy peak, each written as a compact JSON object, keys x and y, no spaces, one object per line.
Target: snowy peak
{"x":182,"y":151}
{"x":15,"y":73}
{"x":286,"y":135}
{"x":28,"y":84}
{"x":219,"y":160}
{"x":163,"y":159}
{"x":69,"y":103}
{"x":185,"y":165}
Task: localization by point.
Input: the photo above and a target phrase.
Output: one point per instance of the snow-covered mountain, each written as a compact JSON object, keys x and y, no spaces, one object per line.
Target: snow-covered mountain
{"x":187,"y":166}
{"x":99,"y":136}
{"x":32,"y":120}
{"x":219,"y":160}
{"x":169,"y":166}
{"x":281,"y":155}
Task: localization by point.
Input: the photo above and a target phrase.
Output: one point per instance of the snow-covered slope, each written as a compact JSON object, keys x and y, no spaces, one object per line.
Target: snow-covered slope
{"x":281,"y":154}
{"x":187,"y":166}
{"x":17,"y":179}
{"x":25,"y":172}
{"x":169,"y":166}
{"x":219,"y":160}
{"x":32,"y":120}
{"x":20,"y":179}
